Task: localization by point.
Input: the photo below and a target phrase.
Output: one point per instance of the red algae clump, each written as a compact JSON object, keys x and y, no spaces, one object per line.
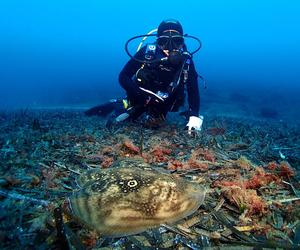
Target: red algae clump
{"x":245,"y":199}
{"x":203,"y":154}
{"x":259,"y":179}
{"x":129,"y":147}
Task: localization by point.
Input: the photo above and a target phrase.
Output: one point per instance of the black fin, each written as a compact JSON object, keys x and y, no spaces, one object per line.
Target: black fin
{"x":101,"y":110}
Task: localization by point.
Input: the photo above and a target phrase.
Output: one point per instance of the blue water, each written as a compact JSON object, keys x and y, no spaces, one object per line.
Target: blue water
{"x":55,"y":53}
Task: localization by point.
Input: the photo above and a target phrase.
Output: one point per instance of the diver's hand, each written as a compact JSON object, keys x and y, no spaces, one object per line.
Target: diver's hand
{"x":194,"y":124}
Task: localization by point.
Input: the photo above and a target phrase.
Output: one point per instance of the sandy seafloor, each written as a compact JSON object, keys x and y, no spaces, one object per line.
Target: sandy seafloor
{"x":38,"y":147}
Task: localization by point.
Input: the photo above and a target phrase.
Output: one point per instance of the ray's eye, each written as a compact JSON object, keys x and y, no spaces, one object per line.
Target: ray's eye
{"x":132,"y":183}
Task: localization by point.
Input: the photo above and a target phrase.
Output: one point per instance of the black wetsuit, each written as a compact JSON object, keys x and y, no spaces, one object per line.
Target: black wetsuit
{"x":160,"y":76}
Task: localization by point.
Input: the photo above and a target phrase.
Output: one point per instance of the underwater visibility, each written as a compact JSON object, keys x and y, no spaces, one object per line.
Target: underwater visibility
{"x":149,"y":125}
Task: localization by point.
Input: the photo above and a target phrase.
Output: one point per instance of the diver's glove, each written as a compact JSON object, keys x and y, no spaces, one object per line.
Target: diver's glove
{"x":194,"y":124}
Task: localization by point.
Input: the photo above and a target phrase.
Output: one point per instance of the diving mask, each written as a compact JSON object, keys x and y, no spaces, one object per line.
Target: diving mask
{"x":170,"y":42}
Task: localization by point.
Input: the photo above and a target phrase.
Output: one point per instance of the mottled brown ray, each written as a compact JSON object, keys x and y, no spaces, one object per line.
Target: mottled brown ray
{"x":126,"y":200}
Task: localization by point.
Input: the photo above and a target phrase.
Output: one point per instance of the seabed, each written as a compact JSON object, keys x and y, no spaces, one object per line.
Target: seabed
{"x":250,"y":168}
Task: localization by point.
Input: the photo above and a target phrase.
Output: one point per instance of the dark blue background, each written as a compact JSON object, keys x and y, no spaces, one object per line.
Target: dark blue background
{"x":71,"y":52}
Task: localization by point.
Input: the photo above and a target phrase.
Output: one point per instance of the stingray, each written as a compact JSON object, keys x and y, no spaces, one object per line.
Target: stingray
{"x":131,"y":197}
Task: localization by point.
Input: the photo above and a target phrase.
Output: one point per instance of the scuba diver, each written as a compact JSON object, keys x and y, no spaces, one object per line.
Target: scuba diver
{"x":155,"y":79}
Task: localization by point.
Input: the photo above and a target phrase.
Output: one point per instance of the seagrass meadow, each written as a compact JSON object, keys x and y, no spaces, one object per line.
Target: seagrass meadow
{"x":249,"y":170}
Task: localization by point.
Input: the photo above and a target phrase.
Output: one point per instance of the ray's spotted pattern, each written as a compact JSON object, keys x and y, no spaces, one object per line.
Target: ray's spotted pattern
{"x":131,"y":197}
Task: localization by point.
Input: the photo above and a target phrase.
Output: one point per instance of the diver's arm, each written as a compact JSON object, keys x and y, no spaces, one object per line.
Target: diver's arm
{"x":193,"y":91}
{"x":126,"y":77}
{"x":195,"y":121}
